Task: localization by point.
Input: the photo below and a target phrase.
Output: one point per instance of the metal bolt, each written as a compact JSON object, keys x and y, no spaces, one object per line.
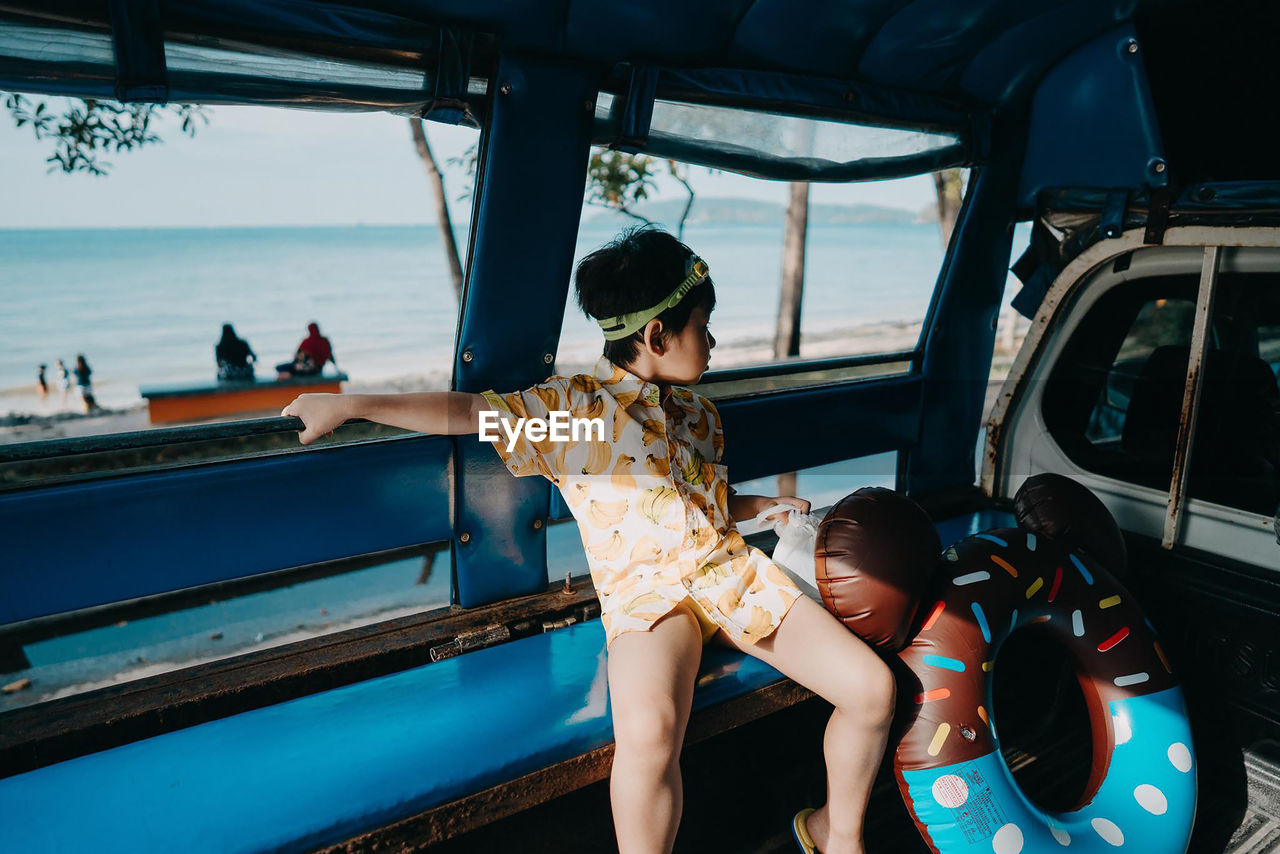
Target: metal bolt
{"x":568,"y":584}
{"x":505,"y":88}
{"x":464,"y":537}
{"x":1159,"y":167}
{"x":467,"y":356}
{"x":548,"y":357}
{"x":1132,"y":46}
{"x":537,"y":524}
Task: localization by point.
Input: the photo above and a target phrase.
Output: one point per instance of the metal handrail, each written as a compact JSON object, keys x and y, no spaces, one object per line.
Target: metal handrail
{"x":801,"y":366}
{"x":133,"y":440}
{"x":53,"y":448}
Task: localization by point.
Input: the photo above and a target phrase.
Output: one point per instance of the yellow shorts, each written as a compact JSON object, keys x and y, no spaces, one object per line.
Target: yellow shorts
{"x":709,"y":626}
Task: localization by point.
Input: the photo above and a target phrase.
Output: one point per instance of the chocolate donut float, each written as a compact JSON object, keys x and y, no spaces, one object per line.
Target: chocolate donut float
{"x":1141,"y":788}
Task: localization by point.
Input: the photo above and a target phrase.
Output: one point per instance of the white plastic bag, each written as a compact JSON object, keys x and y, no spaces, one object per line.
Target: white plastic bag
{"x":797,"y":537}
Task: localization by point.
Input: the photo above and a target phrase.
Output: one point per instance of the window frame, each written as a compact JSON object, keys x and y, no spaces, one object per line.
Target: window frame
{"x":1018,"y":443}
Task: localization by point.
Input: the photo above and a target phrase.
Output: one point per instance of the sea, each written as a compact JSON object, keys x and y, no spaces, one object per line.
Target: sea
{"x":146,"y":305}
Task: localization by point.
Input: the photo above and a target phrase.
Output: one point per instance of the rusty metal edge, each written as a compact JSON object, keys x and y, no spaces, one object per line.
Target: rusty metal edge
{"x":994,"y":478}
{"x":57,"y":730}
{"x":993,"y":475}
{"x":446,"y":821}
{"x":1191,"y":394}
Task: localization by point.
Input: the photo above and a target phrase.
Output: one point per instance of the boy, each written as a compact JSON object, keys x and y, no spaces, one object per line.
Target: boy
{"x":656,"y":514}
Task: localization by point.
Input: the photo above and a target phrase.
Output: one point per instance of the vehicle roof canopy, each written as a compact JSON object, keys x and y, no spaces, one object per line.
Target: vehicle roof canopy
{"x":909,"y":62}
{"x":978,"y":53}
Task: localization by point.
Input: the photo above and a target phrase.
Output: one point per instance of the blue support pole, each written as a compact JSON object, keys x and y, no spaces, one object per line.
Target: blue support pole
{"x":530,"y":200}
{"x":962,"y":325}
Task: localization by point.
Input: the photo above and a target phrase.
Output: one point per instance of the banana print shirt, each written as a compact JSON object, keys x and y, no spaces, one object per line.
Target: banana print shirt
{"x":651,"y":502}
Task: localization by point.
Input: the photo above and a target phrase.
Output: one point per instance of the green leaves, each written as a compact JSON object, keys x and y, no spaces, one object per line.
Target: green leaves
{"x":88,"y":129}
{"x":617,"y":180}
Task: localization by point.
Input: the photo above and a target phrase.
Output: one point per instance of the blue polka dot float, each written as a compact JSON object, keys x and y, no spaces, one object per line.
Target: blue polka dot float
{"x":1141,"y":792}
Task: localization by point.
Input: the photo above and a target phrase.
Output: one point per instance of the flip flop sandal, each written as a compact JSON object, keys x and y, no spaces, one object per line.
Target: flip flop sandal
{"x":801,"y":832}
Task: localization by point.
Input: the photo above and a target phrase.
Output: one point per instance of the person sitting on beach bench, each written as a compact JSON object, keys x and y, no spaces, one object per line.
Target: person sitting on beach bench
{"x":313,"y":353}
{"x":234,"y":355}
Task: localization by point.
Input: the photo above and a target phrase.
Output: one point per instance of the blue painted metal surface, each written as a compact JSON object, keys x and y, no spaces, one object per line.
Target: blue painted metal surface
{"x":1012,"y":62}
{"x":792,"y":430}
{"x":957,"y":528}
{"x":1093,"y":123}
{"x":84,"y":544}
{"x":960,"y":330}
{"x":322,"y":768}
{"x":518,"y":279}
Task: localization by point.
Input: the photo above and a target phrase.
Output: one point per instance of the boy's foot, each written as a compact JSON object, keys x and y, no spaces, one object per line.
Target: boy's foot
{"x":800,"y":829}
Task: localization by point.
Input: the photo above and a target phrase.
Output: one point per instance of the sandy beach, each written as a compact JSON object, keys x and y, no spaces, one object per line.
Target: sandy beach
{"x":26,"y":418}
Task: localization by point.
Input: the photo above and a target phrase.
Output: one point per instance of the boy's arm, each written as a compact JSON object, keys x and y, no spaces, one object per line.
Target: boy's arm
{"x":446,"y":413}
{"x":744,"y":507}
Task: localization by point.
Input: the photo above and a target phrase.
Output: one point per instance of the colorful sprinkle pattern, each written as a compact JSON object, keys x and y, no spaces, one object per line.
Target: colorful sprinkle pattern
{"x":959,"y":787}
{"x":1145,"y":804}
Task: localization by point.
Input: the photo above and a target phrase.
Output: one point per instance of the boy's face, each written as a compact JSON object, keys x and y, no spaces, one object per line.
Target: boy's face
{"x":685,"y":356}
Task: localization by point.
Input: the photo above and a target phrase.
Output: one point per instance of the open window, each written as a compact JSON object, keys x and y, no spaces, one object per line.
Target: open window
{"x":872,"y":255}
{"x":259,"y":223}
{"x":1235,"y":457}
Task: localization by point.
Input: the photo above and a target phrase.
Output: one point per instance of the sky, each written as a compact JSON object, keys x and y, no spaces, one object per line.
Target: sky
{"x":258,"y":166}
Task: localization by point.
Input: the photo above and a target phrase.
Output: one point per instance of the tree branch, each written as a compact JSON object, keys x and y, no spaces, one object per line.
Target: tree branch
{"x":436,"y":179}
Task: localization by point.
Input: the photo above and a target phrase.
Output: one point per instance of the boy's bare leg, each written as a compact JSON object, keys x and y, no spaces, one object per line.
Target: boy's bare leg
{"x":816,"y":650}
{"x":651,"y":680}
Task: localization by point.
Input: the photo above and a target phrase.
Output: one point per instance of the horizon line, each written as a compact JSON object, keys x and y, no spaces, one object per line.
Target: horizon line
{"x":463,"y":218}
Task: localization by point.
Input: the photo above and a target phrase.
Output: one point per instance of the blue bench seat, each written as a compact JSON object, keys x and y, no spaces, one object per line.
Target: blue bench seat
{"x":323,"y":768}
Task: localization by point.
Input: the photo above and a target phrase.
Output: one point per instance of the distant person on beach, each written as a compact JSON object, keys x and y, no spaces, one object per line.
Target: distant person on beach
{"x":313,"y":353}
{"x":64,"y":379}
{"x":42,"y":384}
{"x":234,"y":355}
{"x":83,"y":371}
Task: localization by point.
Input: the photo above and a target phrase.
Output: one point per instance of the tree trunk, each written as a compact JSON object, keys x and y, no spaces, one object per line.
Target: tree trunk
{"x":949,"y":185}
{"x":787,"y":340}
{"x":787,"y":483}
{"x":442,"y":205}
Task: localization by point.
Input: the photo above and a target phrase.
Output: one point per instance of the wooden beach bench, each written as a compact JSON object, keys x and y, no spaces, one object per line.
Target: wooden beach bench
{"x":190,"y":402}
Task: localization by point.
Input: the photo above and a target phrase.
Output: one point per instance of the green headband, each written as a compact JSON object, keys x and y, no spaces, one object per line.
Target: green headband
{"x":627,"y":324}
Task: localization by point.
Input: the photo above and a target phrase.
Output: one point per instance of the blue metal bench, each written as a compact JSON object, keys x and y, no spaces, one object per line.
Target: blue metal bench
{"x":332,"y":765}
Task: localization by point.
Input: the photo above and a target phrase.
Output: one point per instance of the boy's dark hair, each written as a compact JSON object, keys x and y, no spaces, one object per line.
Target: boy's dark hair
{"x":633,"y":272}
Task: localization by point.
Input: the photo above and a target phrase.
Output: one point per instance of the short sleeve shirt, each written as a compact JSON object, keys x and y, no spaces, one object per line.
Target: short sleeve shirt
{"x":650,"y":497}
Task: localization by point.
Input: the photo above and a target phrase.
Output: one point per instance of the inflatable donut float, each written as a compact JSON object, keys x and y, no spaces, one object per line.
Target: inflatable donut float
{"x":1141,"y":792}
